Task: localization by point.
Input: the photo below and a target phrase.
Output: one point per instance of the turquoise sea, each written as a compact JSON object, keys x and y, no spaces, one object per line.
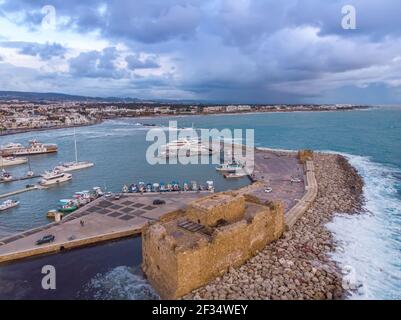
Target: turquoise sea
{"x":369,"y":244}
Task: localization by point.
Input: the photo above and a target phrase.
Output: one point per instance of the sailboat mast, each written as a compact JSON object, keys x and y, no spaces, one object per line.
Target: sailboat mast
{"x":75,"y":145}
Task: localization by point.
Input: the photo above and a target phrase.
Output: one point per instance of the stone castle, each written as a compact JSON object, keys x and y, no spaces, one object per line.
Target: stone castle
{"x":215,"y":233}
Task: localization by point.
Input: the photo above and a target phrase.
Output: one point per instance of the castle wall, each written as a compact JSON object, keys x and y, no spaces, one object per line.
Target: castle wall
{"x":176,"y":268}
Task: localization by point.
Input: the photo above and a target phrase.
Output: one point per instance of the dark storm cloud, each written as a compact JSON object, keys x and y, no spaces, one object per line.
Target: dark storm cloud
{"x":134,"y":62}
{"x":231,"y":49}
{"x":97,"y":64}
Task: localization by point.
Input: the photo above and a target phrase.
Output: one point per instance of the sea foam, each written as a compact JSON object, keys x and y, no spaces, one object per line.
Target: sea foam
{"x":369,"y":244}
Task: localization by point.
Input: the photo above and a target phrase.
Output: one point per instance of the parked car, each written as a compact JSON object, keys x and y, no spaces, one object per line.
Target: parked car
{"x":117,"y":196}
{"x":46,"y":239}
{"x":158,"y":202}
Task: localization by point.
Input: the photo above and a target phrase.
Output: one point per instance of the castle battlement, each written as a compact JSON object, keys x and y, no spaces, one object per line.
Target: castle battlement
{"x":215,"y":233}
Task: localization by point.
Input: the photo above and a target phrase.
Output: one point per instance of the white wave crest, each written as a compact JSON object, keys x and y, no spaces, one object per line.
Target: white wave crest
{"x":370,"y":243}
{"x":121,"y":283}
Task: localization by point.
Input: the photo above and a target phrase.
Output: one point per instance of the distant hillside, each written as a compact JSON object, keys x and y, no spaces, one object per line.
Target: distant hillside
{"x":50,"y":96}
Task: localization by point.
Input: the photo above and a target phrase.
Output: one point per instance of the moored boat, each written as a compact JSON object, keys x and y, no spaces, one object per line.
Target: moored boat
{"x":67,"y":206}
{"x":34,"y":147}
{"x":12,"y":161}
{"x":8,"y":204}
{"x":54,"y":177}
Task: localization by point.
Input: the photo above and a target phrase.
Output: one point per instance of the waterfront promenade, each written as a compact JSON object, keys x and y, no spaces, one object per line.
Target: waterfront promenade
{"x":107,"y":219}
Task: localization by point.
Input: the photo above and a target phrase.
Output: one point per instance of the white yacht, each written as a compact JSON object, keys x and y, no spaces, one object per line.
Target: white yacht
{"x":193,"y":147}
{"x":11,"y":161}
{"x":54,"y":177}
{"x":75,"y":165}
{"x":8,"y":204}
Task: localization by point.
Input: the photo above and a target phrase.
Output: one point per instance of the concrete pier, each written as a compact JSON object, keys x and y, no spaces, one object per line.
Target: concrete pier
{"x":13,"y":193}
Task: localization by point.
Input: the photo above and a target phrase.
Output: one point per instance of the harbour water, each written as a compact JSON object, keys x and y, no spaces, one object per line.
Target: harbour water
{"x":370,"y":243}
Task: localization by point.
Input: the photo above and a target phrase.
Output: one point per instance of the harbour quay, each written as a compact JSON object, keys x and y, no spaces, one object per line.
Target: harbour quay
{"x":107,"y":219}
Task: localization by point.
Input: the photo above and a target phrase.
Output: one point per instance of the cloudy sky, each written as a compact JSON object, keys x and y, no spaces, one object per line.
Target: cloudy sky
{"x":217,"y":50}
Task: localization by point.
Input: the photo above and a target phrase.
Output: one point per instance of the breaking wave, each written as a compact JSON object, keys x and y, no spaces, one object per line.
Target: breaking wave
{"x":121,"y":283}
{"x":369,"y":244}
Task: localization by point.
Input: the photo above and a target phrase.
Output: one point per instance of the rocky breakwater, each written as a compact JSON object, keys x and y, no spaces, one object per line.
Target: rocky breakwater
{"x":298,"y":265}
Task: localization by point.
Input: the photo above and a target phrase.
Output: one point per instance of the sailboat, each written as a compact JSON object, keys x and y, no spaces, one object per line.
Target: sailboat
{"x":76,"y":165}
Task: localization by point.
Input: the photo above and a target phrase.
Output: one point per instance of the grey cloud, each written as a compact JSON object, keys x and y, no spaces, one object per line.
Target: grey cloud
{"x":44,"y":51}
{"x":96,"y":64}
{"x":134,"y":62}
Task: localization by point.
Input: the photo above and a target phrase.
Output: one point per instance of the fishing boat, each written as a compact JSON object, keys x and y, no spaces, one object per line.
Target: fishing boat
{"x":54,"y":177}
{"x":163,"y":187}
{"x":141,"y":186}
{"x":8,"y":204}
{"x":12,"y":161}
{"x":34,"y":147}
{"x":75,"y":165}
{"x":67,"y":206}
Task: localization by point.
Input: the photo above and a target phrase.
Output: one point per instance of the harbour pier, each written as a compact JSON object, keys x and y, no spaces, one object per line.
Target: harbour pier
{"x":13,"y":193}
{"x":107,"y":218}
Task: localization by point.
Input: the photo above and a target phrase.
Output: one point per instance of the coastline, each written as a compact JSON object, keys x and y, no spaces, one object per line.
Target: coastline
{"x":299,"y":266}
{"x":17,"y":131}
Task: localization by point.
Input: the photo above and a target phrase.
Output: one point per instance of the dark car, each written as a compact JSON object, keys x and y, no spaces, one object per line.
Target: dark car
{"x":158,"y":202}
{"x":46,"y":239}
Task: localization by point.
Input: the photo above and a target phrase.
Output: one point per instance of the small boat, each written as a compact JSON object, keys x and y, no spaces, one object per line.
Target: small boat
{"x":67,"y":206}
{"x":5,"y":176}
{"x":30,"y":173}
{"x":210,"y":186}
{"x":156,"y":187}
{"x":235,"y":175}
{"x":169,"y":187}
{"x":125,"y":189}
{"x":133,"y":188}
{"x":186,"y":186}
{"x":163,"y":187}
{"x":149,"y":187}
{"x":141,"y":186}
{"x":8,"y":204}
{"x":176,"y":186}
{"x":194,"y":186}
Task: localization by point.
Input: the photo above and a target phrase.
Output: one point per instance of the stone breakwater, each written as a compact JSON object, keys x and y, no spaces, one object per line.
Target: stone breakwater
{"x":298,"y":266}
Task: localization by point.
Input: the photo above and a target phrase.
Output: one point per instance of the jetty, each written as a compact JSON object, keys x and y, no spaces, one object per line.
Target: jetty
{"x":109,"y":218}
{"x":22,"y":178}
{"x":13,"y":193}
